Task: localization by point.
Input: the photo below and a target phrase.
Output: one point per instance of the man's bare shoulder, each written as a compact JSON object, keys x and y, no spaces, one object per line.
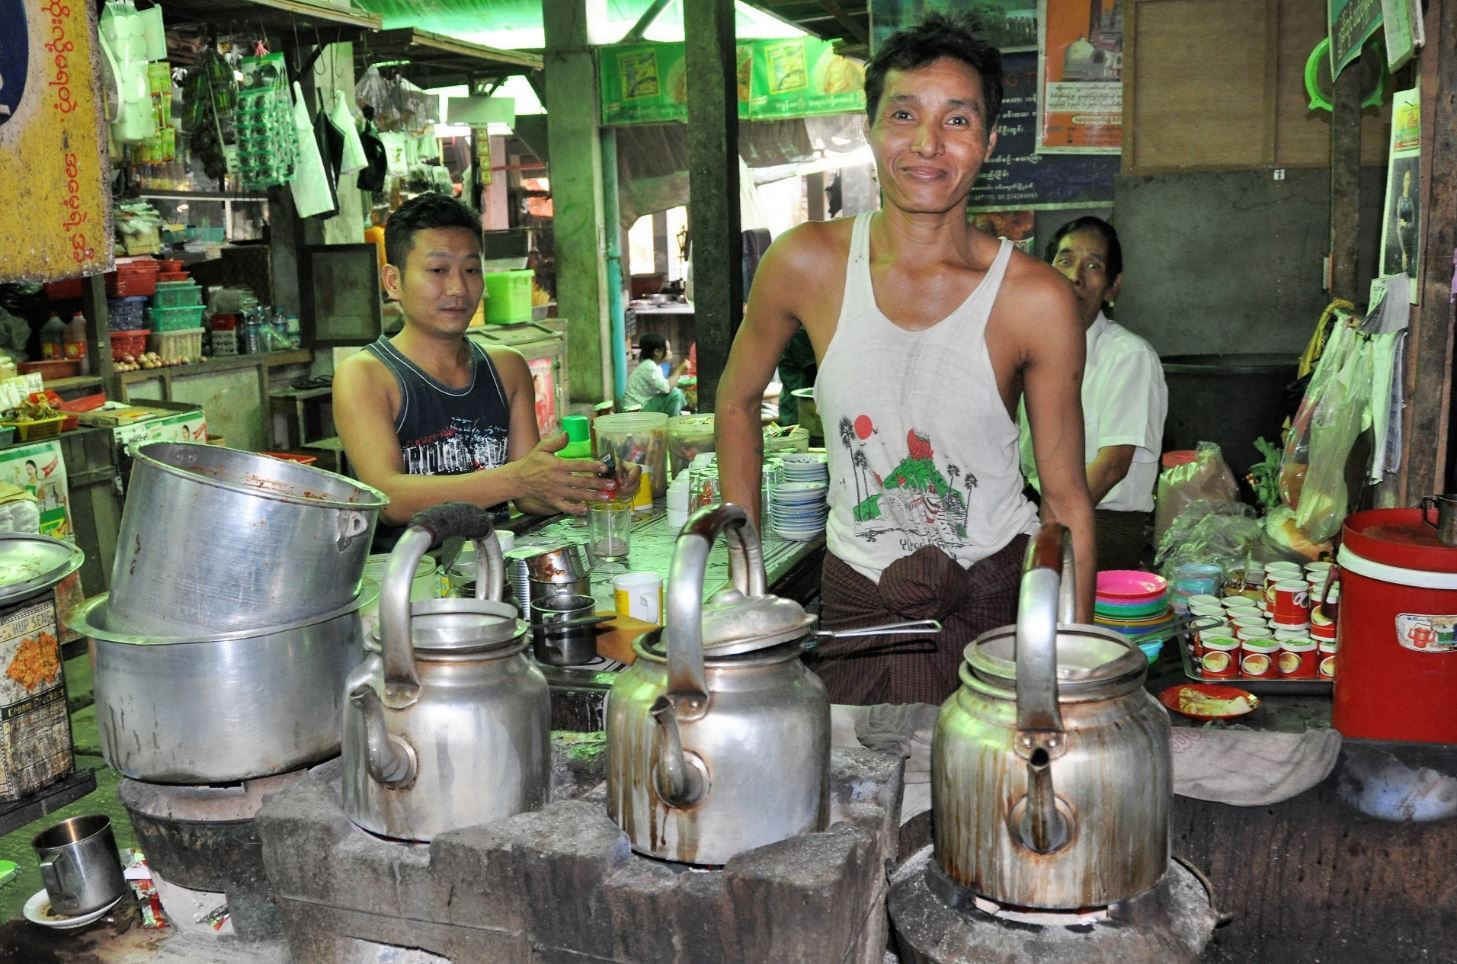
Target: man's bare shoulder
{"x":510,"y":363}
{"x":1037,"y":291}
{"x":360,"y":369}
{"x":813,"y":243}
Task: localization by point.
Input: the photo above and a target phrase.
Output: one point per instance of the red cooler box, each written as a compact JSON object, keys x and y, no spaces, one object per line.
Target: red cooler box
{"x":1396,"y":666}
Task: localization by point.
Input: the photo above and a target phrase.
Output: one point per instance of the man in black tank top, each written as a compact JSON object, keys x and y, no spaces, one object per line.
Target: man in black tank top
{"x":428,"y":416}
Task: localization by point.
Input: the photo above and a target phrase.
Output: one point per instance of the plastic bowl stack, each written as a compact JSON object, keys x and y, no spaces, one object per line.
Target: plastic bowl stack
{"x":1135,"y":603}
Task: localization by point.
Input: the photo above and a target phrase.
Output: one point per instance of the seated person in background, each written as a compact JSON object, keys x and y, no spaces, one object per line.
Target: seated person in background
{"x":797,"y":369}
{"x":429,"y":416}
{"x":647,"y":387}
{"x":1124,"y":398}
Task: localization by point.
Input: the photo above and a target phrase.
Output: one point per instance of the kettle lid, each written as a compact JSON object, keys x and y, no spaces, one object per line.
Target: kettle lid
{"x":1085,"y":655}
{"x":734,"y":623}
{"x":463,"y":626}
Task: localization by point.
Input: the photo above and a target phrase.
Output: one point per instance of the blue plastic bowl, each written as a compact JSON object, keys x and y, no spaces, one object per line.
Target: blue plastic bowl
{"x":1152,"y":649}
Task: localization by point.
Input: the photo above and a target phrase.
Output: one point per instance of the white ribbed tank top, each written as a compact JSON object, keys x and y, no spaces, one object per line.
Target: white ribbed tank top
{"x":921,"y":449}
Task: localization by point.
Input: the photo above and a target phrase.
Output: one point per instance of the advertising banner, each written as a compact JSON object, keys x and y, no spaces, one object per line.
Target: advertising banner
{"x":1080,"y":77}
{"x":1008,"y":25}
{"x":39,"y":469}
{"x":1401,"y":236}
{"x":55,"y":189}
{"x":776,"y":79}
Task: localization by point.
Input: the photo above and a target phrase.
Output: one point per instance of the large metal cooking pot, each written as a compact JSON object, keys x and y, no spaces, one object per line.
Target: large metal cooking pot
{"x":214,"y":540}
{"x":447,"y":723}
{"x":221,"y":708}
{"x":1051,"y":769}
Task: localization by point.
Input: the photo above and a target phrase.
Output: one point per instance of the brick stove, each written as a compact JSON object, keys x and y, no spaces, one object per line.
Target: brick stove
{"x":561,"y":884}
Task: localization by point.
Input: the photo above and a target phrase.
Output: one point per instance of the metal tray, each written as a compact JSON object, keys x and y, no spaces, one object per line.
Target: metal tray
{"x":1261,"y":687}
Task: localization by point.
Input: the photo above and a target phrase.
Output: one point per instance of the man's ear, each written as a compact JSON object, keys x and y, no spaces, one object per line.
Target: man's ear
{"x":1112,"y":291}
{"x":389,"y":275}
{"x":991,"y":145}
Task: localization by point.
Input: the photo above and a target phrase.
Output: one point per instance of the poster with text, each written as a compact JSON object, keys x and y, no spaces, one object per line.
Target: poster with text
{"x":1401,"y":235}
{"x":1016,"y":177}
{"x":1352,"y":22}
{"x":1080,"y":77}
{"x":39,"y":469}
{"x":1008,"y":25}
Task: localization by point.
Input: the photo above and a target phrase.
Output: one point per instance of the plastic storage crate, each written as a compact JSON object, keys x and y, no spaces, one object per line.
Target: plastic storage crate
{"x":28,"y":430}
{"x":178,"y":344}
{"x":177,"y":294}
{"x":508,"y":297}
{"x":133,"y":276}
{"x":182,"y":317}
{"x":125,"y":314}
{"x":131,"y":343}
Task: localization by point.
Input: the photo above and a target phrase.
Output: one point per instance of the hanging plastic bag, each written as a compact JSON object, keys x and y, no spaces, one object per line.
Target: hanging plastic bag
{"x":1338,"y":414}
{"x":353,"y":158}
{"x":1295,"y":461}
{"x":312,"y":192}
{"x":1204,"y":478}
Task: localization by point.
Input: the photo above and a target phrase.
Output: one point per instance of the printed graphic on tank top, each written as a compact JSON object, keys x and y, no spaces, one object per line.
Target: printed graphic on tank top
{"x":444,"y":430}
{"x":922,"y":451}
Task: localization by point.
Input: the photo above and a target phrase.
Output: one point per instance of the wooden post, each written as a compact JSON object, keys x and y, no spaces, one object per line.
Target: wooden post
{"x":573,"y":109}
{"x":713,"y":187}
{"x":1426,"y":453}
{"x":1346,"y":183}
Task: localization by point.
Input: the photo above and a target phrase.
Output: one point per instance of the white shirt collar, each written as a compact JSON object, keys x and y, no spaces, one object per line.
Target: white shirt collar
{"x":1095,"y":331}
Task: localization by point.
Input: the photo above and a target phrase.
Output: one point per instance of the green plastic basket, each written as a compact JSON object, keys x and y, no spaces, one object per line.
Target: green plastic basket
{"x":177,"y":294}
{"x":176,"y":318}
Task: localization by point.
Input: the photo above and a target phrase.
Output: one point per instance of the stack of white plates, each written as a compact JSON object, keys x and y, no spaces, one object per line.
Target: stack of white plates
{"x":797,"y":507}
{"x":804,"y":468}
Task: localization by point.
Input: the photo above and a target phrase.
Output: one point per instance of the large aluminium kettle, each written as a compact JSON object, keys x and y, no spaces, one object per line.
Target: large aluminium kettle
{"x":447,"y":723}
{"x":718,"y":737}
{"x":1051,"y":769}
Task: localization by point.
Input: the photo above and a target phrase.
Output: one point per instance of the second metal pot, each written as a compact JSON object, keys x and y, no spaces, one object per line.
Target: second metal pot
{"x":218,"y":710}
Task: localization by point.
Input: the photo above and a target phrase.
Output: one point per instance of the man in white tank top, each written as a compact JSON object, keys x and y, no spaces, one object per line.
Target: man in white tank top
{"x":927,"y":333}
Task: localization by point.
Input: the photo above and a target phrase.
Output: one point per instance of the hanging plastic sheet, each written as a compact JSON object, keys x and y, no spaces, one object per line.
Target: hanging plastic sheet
{"x":353,"y":158}
{"x":313,"y":194}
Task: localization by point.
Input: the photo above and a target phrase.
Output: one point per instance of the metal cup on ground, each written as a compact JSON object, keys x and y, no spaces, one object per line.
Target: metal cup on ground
{"x":79,"y":865}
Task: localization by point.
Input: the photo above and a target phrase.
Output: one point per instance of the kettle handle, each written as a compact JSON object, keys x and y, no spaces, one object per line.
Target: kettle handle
{"x":427,"y":528}
{"x":683,"y":632}
{"x":1039,"y":740}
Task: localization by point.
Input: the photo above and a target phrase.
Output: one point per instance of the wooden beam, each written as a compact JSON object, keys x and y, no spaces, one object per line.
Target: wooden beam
{"x":1346,"y":183}
{"x":1425,"y":468}
{"x":713,"y":187}
{"x":845,"y":20}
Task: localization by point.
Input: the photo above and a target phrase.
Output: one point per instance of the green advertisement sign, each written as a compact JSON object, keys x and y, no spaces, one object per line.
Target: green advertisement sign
{"x":777,"y":79}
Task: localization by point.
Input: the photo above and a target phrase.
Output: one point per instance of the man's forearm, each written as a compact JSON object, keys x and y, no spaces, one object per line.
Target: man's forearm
{"x":740,"y":444}
{"x":1077,"y":514}
{"x":1109,"y":467}
{"x":411,"y":493}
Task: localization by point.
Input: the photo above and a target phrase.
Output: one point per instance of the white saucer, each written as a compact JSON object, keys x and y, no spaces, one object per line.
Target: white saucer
{"x":38,"y":911}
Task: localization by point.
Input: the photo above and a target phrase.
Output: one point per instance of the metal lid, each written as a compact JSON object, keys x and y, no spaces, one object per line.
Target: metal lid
{"x":734,"y":623}
{"x":461,"y":626}
{"x":31,"y":563}
{"x":1088,"y":658}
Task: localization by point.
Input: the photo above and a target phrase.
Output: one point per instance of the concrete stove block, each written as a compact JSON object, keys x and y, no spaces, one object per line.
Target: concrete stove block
{"x":562,"y":884}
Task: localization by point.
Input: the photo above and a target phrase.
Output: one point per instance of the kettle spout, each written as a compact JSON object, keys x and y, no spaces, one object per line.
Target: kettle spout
{"x":679,"y":784}
{"x":1043,"y":829}
{"x":389,"y":759}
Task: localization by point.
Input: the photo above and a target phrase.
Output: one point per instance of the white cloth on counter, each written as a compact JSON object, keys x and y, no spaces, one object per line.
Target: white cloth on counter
{"x":1250,"y":768}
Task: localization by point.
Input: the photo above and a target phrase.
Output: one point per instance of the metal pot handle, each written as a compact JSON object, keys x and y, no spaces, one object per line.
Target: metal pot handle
{"x":427,"y":528}
{"x":53,"y":874}
{"x":683,"y":632}
{"x":1040,"y":734}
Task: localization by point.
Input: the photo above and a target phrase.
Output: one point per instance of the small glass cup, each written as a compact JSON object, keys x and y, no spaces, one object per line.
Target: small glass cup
{"x":609,"y":530}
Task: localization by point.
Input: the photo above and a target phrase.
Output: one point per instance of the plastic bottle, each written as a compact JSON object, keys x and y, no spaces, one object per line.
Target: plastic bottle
{"x":53,"y":339}
{"x":74,"y":342}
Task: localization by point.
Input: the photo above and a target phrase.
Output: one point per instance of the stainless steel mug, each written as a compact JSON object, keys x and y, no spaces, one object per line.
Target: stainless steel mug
{"x":79,"y":865}
{"x":1446,"y":524}
{"x":561,"y":629}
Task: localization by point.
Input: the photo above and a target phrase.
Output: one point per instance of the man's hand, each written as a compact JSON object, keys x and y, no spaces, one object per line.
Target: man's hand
{"x":559,"y":485}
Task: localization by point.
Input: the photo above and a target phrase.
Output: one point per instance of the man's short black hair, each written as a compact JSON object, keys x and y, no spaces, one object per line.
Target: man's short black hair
{"x":938,"y":35}
{"x":650,"y":344}
{"x":1099,"y":227}
{"x":421,"y":213}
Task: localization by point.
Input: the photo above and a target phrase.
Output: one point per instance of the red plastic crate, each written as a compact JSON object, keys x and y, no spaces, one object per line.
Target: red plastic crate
{"x":68,"y":290}
{"x":133,"y":276}
{"x":129,"y":342}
